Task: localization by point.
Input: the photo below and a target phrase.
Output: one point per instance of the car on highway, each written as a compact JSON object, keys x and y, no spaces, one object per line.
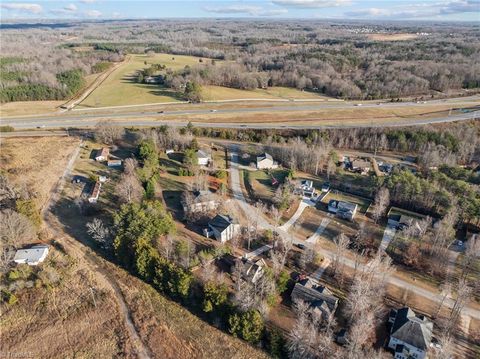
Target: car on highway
{"x":213,"y":110}
{"x":300,"y":245}
{"x":42,"y":126}
{"x":358,"y":104}
{"x":161,"y":111}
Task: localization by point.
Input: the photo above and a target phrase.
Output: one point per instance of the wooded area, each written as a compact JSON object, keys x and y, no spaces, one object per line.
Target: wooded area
{"x":338,"y":60}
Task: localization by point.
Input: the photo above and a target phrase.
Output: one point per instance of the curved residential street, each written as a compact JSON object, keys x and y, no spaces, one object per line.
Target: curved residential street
{"x":329,"y":255}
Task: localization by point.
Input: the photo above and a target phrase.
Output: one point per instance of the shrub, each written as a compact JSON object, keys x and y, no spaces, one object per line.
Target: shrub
{"x":248,"y":326}
{"x":8,"y":297}
{"x":221,"y":174}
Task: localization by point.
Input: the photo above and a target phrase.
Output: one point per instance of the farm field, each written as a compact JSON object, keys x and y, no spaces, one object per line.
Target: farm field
{"x":392,"y":37}
{"x":25,"y":108}
{"x":121,"y":89}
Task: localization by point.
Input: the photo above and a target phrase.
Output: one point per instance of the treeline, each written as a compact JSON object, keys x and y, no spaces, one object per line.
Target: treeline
{"x":71,"y":82}
{"x":459,"y":143}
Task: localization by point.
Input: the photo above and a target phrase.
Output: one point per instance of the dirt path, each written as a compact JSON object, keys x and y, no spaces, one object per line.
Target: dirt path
{"x":79,"y":251}
{"x":98,"y":81}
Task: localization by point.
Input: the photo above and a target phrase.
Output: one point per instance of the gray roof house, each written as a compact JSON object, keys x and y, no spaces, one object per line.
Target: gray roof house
{"x":410,"y":335}
{"x":223,"y":228}
{"x":253,"y":270}
{"x":317,"y":296}
{"x":203,"y":201}
{"x":345,"y":210}
{"x":265,"y":161}
{"x":203,"y":158}
{"x":31,"y":256}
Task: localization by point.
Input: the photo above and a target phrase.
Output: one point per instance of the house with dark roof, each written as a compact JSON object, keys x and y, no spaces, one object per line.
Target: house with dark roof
{"x":345,"y":210}
{"x":265,"y":161}
{"x":361,"y":166}
{"x":319,"y":297}
{"x":410,"y":334}
{"x":253,"y":270}
{"x":223,"y":228}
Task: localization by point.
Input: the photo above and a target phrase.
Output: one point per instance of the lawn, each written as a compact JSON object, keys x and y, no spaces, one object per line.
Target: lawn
{"x":259,"y":183}
{"x":121,"y":89}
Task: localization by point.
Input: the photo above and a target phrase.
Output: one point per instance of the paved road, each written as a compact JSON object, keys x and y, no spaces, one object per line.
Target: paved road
{"x":154,"y":118}
{"x":306,"y":202}
{"x":329,"y":255}
{"x":314,"y":237}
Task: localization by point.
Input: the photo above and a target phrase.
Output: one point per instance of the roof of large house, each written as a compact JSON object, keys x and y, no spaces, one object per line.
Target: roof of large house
{"x":412,"y":329}
{"x":317,"y":296}
{"x":104,"y":152}
{"x":361,"y":163}
{"x":251,"y":267}
{"x":341,"y":205}
{"x":202,"y":154}
{"x":264,"y":156}
{"x":31,"y":255}
{"x":96,"y":189}
{"x":221,"y":222}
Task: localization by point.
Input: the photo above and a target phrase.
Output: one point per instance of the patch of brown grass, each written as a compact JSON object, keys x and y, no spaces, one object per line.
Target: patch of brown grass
{"x":392,"y":37}
{"x":36,"y":163}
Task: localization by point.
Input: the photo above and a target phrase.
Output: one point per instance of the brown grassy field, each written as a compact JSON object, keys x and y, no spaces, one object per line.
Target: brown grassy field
{"x":76,"y":317}
{"x":392,"y":37}
{"x":36,"y":163}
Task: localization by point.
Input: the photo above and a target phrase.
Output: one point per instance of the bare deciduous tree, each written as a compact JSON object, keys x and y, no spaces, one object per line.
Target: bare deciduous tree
{"x":382,"y":200}
{"x":107,"y":132}
{"x":97,"y":230}
{"x":15,"y":228}
{"x":129,"y":188}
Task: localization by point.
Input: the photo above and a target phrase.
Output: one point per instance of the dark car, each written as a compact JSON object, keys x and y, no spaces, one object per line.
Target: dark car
{"x":326,"y":187}
{"x":300,"y":245}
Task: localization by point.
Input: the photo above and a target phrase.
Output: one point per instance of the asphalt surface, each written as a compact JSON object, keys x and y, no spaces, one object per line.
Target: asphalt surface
{"x":157,"y":118}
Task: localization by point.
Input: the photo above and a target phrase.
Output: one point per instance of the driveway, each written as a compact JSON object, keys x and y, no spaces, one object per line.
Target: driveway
{"x":388,"y":235}
{"x":328,"y":254}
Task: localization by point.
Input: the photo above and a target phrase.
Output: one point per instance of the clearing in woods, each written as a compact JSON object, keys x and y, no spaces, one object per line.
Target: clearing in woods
{"x":120,"y":88}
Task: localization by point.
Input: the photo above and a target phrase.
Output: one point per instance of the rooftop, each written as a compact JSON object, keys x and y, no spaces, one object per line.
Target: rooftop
{"x":412,"y":329}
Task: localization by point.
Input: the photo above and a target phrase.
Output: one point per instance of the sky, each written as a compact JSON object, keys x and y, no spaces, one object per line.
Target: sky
{"x":421,"y":10}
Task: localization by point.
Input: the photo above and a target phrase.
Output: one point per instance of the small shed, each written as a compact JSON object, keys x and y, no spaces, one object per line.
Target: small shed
{"x":31,"y":256}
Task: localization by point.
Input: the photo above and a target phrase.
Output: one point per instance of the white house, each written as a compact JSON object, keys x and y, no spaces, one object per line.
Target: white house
{"x":95,"y":193}
{"x":345,"y":210}
{"x":265,"y":161}
{"x":306,"y":188}
{"x":203,"y":157}
{"x":223,"y":228}
{"x":31,"y":256}
{"x":102,"y":155}
{"x":410,"y":335}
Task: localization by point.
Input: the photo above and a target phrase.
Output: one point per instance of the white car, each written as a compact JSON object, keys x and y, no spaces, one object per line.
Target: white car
{"x":213,"y":110}
{"x":358,"y":104}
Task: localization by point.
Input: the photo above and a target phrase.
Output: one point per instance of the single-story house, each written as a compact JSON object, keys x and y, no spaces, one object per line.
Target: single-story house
{"x":203,"y":157}
{"x":265,"y":161}
{"x":410,"y":335}
{"x":102,"y":179}
{"x":168,"y":151}
{"x":203,"y":201}
{"x":345,"y":210}
{"x":223,"y":228}
{"x":95,"y":192}
{"x":114,"y":163}
{"x":31,"y":256}
{"x":403,"y":221}
{"x":306,"y":188}
{"x":102,"y":155}
{"x":318,"y":297}
{"x":361,"y":166}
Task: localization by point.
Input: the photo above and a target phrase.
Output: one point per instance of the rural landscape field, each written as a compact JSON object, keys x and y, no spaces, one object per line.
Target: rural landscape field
{"x":268,"y":179}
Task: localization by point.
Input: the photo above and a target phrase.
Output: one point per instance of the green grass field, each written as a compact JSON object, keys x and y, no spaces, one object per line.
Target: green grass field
{"x":121,"y":89}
